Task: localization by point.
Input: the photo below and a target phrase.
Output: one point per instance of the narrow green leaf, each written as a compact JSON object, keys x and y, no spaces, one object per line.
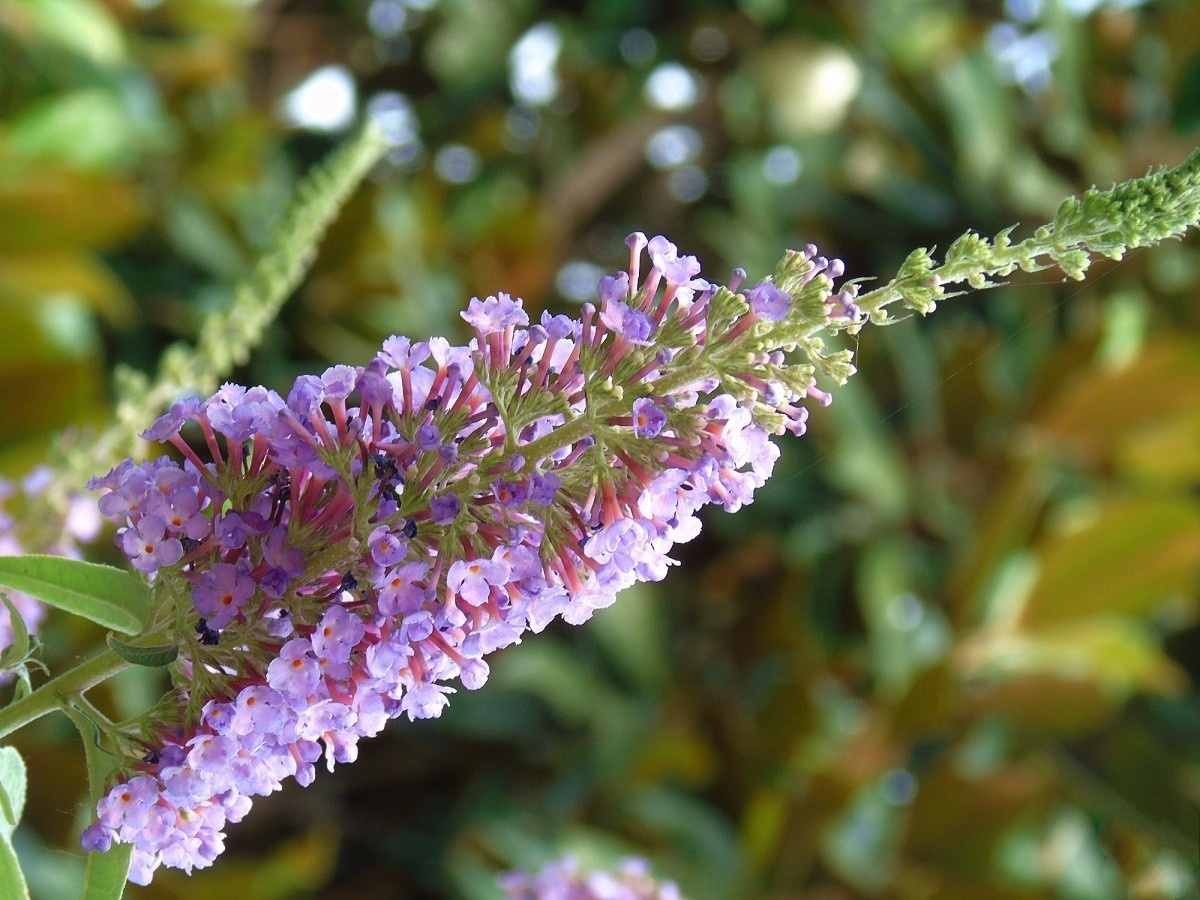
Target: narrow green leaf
{"x":154,"y":657}
{"x":16,"y":652}
{"x":12,"y":805}
{"x":12,"y":882}
{"x":112,"y":597}
{"x":107,"y":873}
{"x":12,"y":791}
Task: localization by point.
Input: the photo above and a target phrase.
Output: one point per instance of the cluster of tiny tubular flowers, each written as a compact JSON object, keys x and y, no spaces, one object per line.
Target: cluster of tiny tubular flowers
{"x":562,"y":880}
{"x":346,"y":551}
{"x":81,"y":524}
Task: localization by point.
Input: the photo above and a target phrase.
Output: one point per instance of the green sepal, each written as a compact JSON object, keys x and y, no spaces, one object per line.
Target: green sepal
{"x":16,"y":652}
{"x":152,"y":657}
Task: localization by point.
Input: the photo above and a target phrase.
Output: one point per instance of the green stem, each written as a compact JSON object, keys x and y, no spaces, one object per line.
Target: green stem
{"x":1132,"y":214}
{"x":55,"y":694}
{"x":575,"y":430}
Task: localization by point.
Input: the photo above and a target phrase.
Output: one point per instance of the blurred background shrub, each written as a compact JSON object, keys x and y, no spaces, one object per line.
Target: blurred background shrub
{"x":951,"y":651}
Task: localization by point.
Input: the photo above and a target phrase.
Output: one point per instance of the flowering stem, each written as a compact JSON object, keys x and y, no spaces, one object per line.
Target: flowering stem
{"x":57,"y":693}
{"x":1135,"y":213}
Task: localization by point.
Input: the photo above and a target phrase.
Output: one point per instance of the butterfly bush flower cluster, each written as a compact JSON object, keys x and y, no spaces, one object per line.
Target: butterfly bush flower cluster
{"x":79,"y":525}
{"x":562,"y":880}
{"x":335,"y":558}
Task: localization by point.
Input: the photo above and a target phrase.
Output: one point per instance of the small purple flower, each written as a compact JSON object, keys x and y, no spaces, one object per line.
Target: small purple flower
{"x":557,"y":327}
{"x":374,"y":388}
{"x":279,"y":554}
{"x":294,"y":673}
{"x":386,"y":548}
{"x":494,"y":314}
{"x":181,"y":512}
{"x":510,"y":493}
{"x":95,"y":838}
{"x":769,"y":301}
{"x":231,"y":531}
{"x":474,"y":673}
{"x":634,"y":324}
{"x":426,"y":701}
{"x":257,"y":710}
{"x":473,"y":580}
{"x":129,"y":803}
{"x":338,"y":632}
{"x":221,"y":593}
{"x":339,"y":381}
{"x":403,"y":353}
{"x":522,"y":561}
{"x":148,"y":547}
{"x":648,"y":419}
{"x":306,"y":395}
{"x":445,"y":508}
{"x":400,"y":590}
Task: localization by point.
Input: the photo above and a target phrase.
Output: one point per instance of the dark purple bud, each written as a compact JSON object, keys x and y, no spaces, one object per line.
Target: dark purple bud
{"x":613,"y":288}
{"x":427,"y":437}
{"x":543,"y":487}
{"x":306,"y":395}
{"x":510,"y":493}
{"x":95,"y":838}
{"x":445,"y":508}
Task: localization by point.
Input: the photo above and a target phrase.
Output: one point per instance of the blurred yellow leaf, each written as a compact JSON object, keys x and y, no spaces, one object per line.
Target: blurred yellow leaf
{"x":56,"y":207}
{"x":1096,"y":411}
{"x":51,"y":130}
{"x":1116,"y":653}
{"x":84,"y":27}
{"x":1164,"y":453}
{"x":31,"y":277}
{"x":1136,"y":554}
{"x":299,"y":866}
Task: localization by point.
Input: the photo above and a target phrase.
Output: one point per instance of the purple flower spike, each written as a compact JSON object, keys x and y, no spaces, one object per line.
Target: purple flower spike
{"x":345,"y":564}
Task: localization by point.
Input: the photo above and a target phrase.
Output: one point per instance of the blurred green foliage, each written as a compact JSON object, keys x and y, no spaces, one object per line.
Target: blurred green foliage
{"x":952,"y":649}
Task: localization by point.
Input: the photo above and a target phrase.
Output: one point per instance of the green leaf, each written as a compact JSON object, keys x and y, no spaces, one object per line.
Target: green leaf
{"x":12,"y":882}
{"x":155,"y":657}
{"x":108,"y":596}
{"x":107,"y":873}
{"x":14,"y":654}
{"x":12,"y":791}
